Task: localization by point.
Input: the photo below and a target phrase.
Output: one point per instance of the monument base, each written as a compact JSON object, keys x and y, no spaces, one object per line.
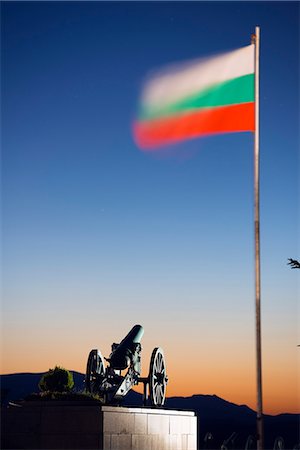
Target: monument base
{"x":69,"y":425}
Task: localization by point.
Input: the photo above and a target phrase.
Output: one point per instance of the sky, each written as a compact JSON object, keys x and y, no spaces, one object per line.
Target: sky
{"x":98,"y":235}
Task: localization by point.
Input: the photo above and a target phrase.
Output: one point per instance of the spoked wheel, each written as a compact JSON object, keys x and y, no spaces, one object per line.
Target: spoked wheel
{"x":95,"y":370}
{"x":157,"y":378}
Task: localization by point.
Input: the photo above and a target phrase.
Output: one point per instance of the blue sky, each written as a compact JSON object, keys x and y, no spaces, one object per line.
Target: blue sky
{"x":98,"y":235}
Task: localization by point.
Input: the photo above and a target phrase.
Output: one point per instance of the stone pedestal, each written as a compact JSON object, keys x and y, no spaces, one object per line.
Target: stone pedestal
{"x":62,"y":425}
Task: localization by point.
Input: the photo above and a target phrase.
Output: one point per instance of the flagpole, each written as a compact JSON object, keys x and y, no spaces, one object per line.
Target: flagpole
{"x":259,"y":417}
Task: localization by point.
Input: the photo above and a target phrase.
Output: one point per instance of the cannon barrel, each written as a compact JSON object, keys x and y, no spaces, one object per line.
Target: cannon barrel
{"x":124,"y":353}
{"x":134,"y":336}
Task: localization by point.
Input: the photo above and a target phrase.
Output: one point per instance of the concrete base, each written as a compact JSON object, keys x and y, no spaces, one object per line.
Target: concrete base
{"x":69,"y":425}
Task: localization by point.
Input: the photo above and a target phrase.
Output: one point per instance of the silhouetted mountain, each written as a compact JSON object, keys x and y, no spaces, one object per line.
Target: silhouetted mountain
{"x":16,"y":386}
{"x":222,"y":418}
{"x":215,"y":415}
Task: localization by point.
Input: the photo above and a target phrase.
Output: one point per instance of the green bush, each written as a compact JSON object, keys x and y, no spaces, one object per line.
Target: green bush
{"x":57,"y":380}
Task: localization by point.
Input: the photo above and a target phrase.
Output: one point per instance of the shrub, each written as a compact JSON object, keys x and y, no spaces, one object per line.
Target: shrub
{"x":57,"y":380}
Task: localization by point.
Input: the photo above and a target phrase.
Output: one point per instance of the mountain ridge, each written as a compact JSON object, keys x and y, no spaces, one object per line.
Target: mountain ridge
{"x":79,"y":378}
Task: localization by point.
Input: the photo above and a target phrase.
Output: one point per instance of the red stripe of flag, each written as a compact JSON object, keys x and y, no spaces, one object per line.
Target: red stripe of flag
{"x":225,"y":119}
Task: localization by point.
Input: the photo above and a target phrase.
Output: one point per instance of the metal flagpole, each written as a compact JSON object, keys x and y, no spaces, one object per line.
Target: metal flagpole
{"x":260,"y":433}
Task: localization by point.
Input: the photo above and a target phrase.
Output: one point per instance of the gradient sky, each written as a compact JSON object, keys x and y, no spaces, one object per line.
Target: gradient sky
{"x":99,"y":236}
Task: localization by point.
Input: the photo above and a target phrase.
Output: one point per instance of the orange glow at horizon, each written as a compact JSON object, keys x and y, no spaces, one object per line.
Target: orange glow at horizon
{"x":215,"y":373}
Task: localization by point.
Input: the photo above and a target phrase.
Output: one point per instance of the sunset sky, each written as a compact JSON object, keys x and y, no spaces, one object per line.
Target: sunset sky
{"x":99,"y":236}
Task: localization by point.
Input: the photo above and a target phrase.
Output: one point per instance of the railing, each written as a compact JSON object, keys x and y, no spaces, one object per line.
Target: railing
{"x":230,"y":443}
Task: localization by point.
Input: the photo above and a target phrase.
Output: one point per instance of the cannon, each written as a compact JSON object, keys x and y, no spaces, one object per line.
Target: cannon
{"x":111,"y":385}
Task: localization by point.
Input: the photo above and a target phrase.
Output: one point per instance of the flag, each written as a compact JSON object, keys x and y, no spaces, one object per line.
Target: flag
{"x":199,"y":98}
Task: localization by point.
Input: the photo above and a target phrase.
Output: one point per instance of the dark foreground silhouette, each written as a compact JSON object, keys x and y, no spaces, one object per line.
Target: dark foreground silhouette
{"x":221,"y":424}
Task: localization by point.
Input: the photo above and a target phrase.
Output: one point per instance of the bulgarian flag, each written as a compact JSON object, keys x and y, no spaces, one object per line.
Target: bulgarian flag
{"x":210,"y":96}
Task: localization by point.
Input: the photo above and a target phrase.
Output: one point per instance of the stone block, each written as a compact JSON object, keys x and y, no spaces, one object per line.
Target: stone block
{"x":193,"y":426}
{"x":23,"y":421}
{"x":192,"y":442}
{"x":70,"y":441}
{"x":15,"y":440}
{"x":180,"y":424}
{"x":140,"y":423}
{"x":154,"y":439}
{"x":175,"y":442}
{"x":121,"y":442}
{"x":183,"y":425}
{"x":142,"y":442}
{"x":62,"y":420}
{"x":184,"y":441}
{"x":158,"y":424}
{"x":118,"y":422}
{"x":163,"y":442}
{"x":106,"y":442}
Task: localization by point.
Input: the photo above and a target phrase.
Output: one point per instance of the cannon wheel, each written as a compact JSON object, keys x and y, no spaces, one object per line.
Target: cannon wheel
{"x":94,"y":370}
{"x":157,"y":378}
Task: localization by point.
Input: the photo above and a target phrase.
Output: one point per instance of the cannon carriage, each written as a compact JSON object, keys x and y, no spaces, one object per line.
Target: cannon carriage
{"x":109,"y":382}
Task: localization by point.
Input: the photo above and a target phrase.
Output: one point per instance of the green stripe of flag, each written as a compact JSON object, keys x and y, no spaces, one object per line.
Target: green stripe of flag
{"x":235,"y":91}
